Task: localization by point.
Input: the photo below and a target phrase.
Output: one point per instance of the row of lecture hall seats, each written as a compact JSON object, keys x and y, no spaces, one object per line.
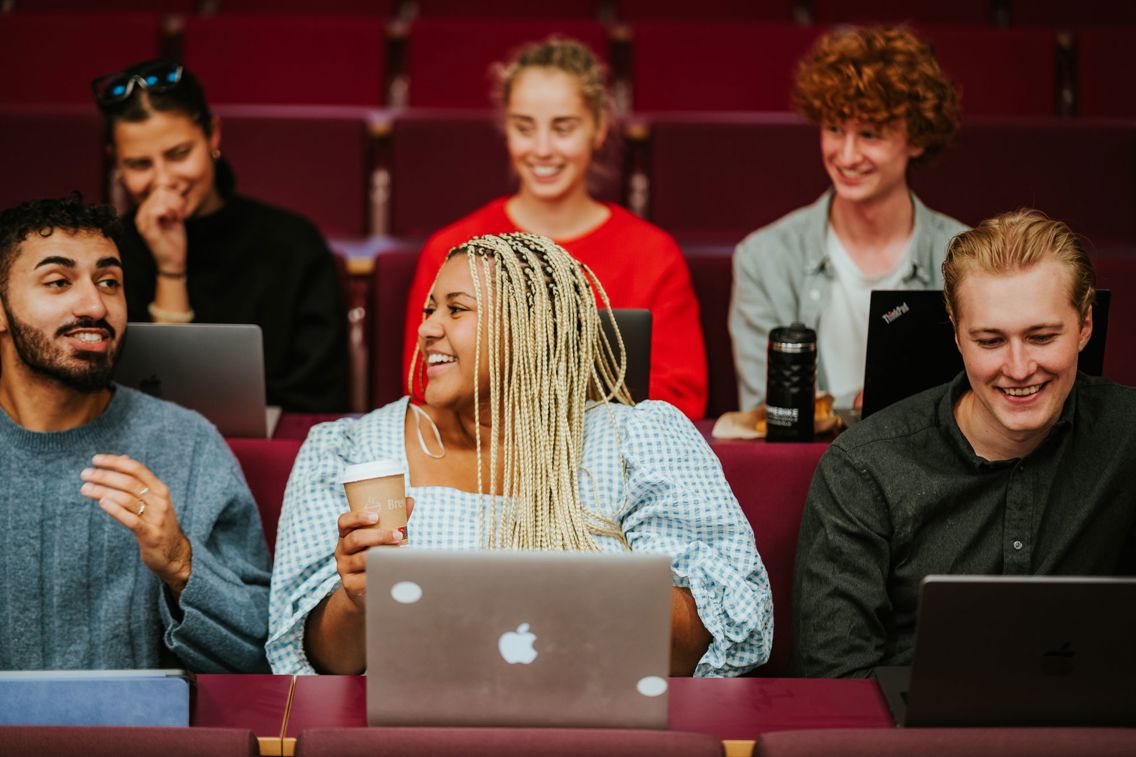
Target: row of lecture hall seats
{"x":976,"y":12}
{"x":26,"y":741}
{"x":444,"y":62}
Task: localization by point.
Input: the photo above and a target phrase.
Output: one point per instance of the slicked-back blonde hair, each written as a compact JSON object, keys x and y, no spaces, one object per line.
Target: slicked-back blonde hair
{"x":559,"y":54}
{"x":1016,"y":241}
{"x":547,"y":357}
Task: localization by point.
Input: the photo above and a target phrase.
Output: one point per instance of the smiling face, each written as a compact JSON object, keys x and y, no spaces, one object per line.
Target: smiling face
{"x":64,"y":311}
{"x":1019,"y":336}
{"x":551,"y":134}
{"x":866,"y":163}
{"x":168,"y":150}
{"x":447,"y":339}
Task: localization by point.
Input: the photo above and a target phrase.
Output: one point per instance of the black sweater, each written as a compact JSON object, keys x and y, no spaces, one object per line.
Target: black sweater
{"x":254,"y":263}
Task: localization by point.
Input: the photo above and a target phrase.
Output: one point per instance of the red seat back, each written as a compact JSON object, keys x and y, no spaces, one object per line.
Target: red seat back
{"x":47,"y":151}
{"x":313,"y":161}
{"x":373,"y":8}
{"x":508,"y":9}
{"x":390,"y":280}
{"x":1064,"y":14}
{"x":771,"y":488}
{"x":714,"y":66}
{"x":107,"y":741}
{"x":1118,"y":273}
{"x":712,"y":274}
{"x":288,"y":59}
{"x":497,"y":742}
{"x":970,"y":12}
{"x":267,"y":463}
{"x":777,"y":11}
{"x":1104,"y":72}
{"x":947,"y":742}
{"x":448,"y":60}
{"x":52,"y":57}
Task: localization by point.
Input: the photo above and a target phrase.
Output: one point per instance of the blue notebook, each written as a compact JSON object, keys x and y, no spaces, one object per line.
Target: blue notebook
{"x":96,"y":697}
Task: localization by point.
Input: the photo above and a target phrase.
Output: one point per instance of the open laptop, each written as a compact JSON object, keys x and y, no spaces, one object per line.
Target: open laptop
{"x":539,"y":639}
{"x":216,"y":369}
{"x":911,"y":345}
{"x":635,"y":329}
{"x":1019,"y":651}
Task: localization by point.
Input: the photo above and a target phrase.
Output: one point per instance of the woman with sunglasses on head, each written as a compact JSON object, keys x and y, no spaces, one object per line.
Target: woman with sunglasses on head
{"x":196,"y":251}
{"x":556,"y":121}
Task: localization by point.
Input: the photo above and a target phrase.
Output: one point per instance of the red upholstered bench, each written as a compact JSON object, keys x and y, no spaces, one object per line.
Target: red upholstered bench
{"x":267,"y":464}
{"x":104,"y":741}
{"x":491,"y":742}
{"x":948,"y":742}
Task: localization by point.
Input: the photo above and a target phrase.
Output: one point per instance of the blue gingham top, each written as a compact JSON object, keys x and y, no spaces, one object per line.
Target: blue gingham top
{"x":676,"y":502}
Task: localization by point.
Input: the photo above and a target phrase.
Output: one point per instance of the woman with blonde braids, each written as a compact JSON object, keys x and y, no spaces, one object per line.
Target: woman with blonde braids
{"x":526,"y":440}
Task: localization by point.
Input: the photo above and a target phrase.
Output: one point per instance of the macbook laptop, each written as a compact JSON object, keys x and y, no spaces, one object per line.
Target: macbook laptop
{"x":1019,"y":651}
{"x":539,"y":639}
{"x":216,"y":369}
{"x":635,"y":329}
{"x":911,"y":345}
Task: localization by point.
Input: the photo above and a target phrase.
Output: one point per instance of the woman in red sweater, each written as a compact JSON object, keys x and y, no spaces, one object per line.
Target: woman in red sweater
{"x":555,"y":109}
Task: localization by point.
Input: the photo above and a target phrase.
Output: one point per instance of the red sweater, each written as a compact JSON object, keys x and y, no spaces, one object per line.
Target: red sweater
{"x":639,"y":265}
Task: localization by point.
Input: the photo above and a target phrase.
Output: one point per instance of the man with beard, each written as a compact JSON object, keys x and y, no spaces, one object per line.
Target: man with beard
{"x":130,"y":538}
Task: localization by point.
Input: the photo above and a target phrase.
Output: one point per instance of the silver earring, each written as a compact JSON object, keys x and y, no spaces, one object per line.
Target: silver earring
{"x":216,"y":154}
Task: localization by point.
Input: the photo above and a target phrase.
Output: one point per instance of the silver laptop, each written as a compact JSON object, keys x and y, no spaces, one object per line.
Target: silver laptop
{"x":1019,"y":651}
{"x":216,"y":369}
{"x":635,"y":330}
{"x":539,"y":639}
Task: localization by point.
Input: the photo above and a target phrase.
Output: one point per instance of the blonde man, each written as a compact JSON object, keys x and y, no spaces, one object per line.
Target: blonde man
{"x":1019,"y":466}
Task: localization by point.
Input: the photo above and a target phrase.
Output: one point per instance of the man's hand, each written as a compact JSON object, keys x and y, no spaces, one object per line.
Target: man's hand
{"x":131,"y":494}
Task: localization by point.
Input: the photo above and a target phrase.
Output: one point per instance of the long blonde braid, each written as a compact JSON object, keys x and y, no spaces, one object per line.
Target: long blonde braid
{"x":548,"y":358}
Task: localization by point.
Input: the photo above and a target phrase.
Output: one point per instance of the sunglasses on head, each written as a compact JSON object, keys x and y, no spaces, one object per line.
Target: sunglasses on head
{"x":156,"y":76}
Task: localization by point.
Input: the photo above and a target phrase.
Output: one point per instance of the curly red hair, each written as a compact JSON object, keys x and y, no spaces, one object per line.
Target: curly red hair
{"x":884,"y":76}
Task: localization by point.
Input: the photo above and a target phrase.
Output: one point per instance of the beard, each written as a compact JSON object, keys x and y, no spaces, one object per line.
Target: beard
{"x":84,"y":371}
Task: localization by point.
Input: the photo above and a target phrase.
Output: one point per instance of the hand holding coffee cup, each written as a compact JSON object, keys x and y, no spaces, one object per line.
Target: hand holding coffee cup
{"x":376,"y":494}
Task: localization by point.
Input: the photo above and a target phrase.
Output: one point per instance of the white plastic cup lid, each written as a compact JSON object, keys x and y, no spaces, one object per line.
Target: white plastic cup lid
{"x":373,"y":469}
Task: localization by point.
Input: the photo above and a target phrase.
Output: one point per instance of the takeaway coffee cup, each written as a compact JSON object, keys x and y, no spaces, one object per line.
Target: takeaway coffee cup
{"x":378,"y":486}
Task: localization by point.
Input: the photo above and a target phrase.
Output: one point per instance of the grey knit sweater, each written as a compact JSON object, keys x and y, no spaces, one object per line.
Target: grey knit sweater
{"x":74,"y":593}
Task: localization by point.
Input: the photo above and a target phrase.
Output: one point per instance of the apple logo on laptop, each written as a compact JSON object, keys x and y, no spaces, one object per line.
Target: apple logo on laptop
{"x":517,"y":646}
{"x":151,"y":385}
{"x":1058,"y":662}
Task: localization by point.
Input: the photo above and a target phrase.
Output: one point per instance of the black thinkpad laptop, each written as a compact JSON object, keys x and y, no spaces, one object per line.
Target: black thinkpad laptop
{"x":911,"y":345}
{"x":1019,"y":651}
{"x":635,"y":329}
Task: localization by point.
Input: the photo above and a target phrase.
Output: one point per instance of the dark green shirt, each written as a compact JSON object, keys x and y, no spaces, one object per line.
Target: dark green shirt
{"x":903,"y":495}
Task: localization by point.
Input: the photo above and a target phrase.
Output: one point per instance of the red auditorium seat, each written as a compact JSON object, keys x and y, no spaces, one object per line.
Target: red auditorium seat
{"x":580,"y":9}
{"x":448,"y":60}
{"x":267,"y":464}
{"x":1118,"y":273}
{"x":443,"y":166}
{"x":715,"y":66}
{"x":1065,"y":14}
{"x":778,"y":11}
{"x":1104,"y":72}
{"x":47,"y":151}
{"x":947,"y":742}
{"x":1078,"y":171}
{"x":712,"y":274}
{"x":970,"y":12}
{"x":52,"y":58}
{"x":1005,"y":72}
{"x":491,"y":742}
{"x":374,"y":8}
{"x":771,"y":488}
{"x":390,"y":279}
{"x":314,"y":161}
{"x":715,"y":178}
{"x":288,"y":59}
{"x":106,"y":741}
{"x":115,"y":6}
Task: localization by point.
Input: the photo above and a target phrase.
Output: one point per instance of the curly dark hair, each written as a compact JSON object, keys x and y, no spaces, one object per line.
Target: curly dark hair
{"x":883,"y":76}
{"x":44,"y":217}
